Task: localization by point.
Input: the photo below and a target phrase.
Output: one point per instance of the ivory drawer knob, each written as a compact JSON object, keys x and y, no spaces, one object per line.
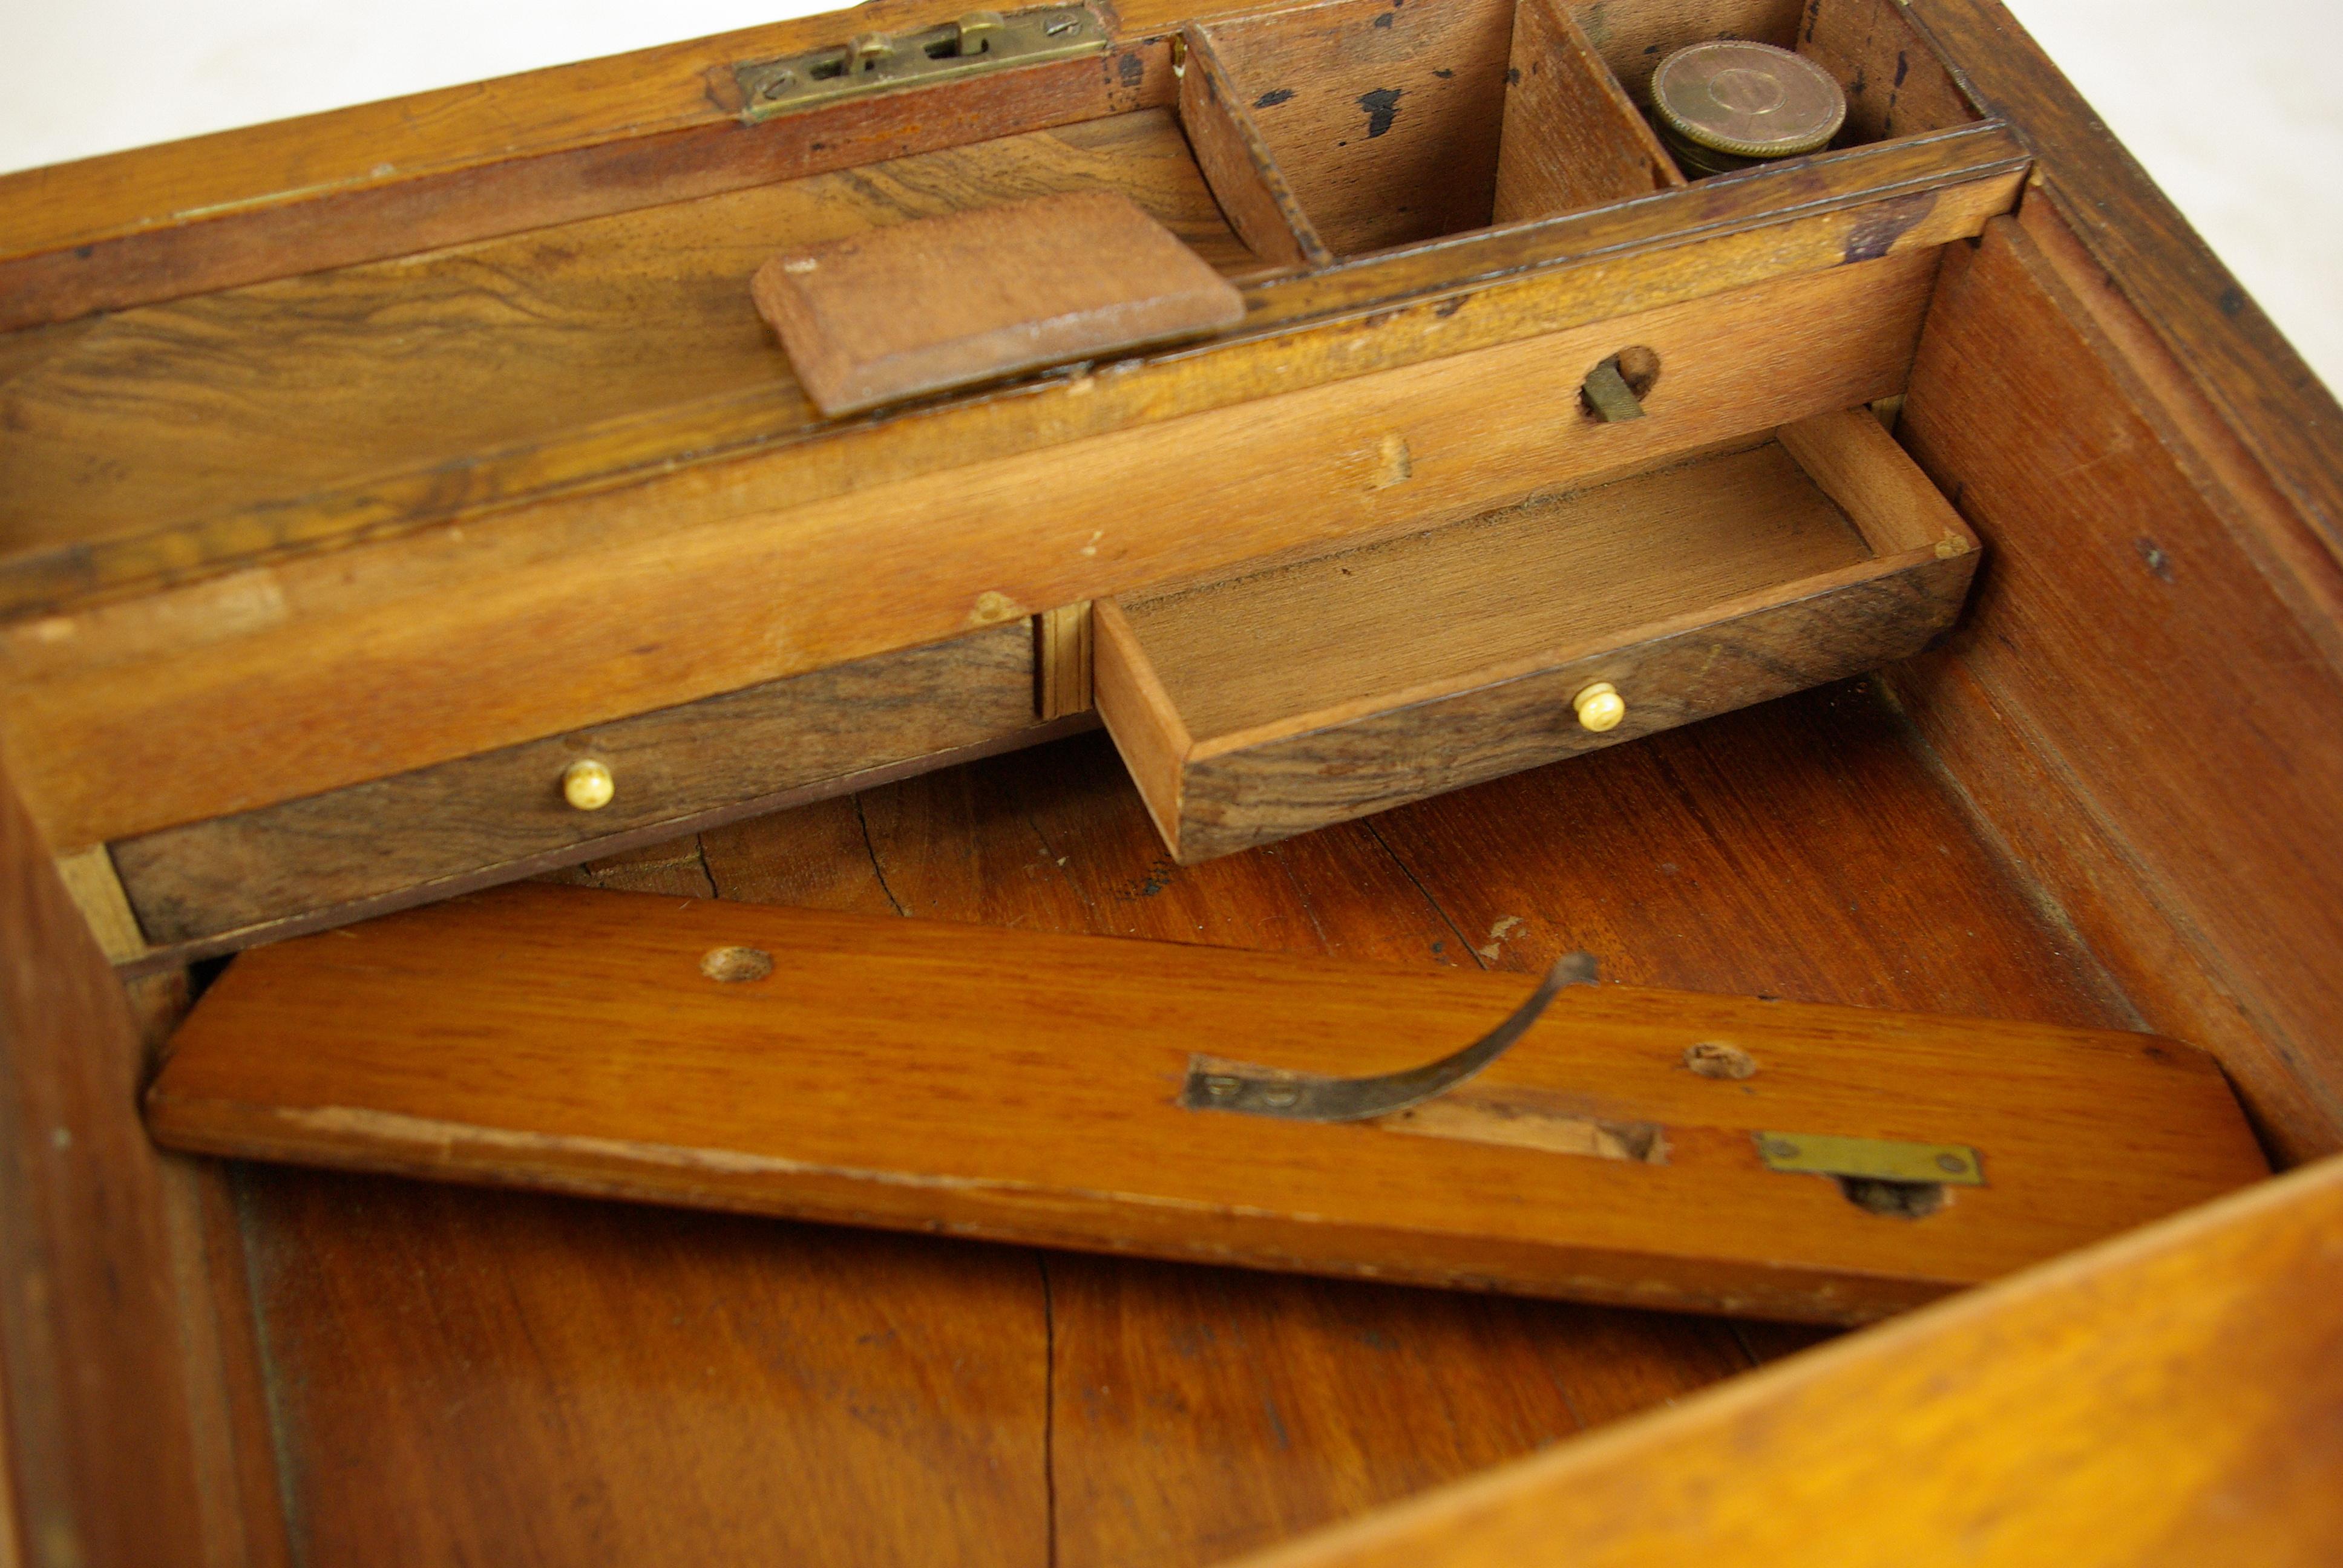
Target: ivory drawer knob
{"x":1600,"y":707}
{"x":588,"y":785}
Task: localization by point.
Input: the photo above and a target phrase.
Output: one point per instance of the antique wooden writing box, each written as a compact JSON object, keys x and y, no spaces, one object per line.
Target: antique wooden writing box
{"x":1320,"y":479}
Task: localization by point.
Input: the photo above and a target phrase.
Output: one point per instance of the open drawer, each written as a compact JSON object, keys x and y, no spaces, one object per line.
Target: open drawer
{"x":1263,"y":706}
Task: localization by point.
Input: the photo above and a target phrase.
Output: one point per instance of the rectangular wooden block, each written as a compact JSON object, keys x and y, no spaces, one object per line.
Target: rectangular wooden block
{"x":1270,"y":704}
{"x":946,"y":301}
{"x":992,"y":1082}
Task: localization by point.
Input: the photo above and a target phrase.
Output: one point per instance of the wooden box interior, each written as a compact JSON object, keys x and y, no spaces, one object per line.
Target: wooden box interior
{"x":275,"y":452}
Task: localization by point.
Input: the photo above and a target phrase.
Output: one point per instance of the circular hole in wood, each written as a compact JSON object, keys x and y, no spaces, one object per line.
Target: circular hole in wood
{"x":1637,"y":367}
{"x":1895,"y":1200}
{"x":1715,"y":1058}
{"x":737,"y":964}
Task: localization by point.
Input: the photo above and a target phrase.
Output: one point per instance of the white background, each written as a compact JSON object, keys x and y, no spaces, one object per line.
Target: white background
{"x":2232,"y":105}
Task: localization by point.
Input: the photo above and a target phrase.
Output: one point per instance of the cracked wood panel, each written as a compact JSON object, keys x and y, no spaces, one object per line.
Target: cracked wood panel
{"x":254,"y":398}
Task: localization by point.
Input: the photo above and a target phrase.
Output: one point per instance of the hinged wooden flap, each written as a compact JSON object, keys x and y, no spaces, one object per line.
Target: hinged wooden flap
{"x":934,"y":1076}
{"x":945,"y":301}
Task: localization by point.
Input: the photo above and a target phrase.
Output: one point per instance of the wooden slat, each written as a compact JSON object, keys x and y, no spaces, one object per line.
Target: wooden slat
{"x":2135,"y":704}
{"x":1061,"y":660}
{"x":446,"y":1043}
{"x":1238,"y":164}
{"x":1572,"y":138}
{"x":465,"y":1377}
{"x":2172,"y":1396}
{"x":571,"y":622}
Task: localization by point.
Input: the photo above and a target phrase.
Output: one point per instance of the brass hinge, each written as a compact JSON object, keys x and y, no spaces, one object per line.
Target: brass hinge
{"x":883,"y":62}
{"x":1871,"y":1159}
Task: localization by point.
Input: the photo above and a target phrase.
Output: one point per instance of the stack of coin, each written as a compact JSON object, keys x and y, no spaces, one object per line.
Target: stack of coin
{"x":1727,"y":103}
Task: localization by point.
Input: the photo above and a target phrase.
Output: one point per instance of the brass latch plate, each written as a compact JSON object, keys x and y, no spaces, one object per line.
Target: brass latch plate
{"x":883,"y":62}
{"x":1872,"y":1159}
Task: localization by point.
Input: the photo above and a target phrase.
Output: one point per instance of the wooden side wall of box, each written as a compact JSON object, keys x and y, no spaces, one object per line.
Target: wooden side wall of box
{"x":2174,"y":1395}
{"x":2138,"y":705}
{"x":130,"y":1420}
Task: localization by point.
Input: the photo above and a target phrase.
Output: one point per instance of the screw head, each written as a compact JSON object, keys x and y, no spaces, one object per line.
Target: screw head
{"x":1951,"y":1165}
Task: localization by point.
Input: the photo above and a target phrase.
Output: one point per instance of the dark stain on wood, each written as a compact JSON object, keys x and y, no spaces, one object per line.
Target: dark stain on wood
{"x":1875,"y":234}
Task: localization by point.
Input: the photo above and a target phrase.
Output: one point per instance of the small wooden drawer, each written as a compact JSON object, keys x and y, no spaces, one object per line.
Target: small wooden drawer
{"x":1265,"y":706}
{"x":505,"y":814}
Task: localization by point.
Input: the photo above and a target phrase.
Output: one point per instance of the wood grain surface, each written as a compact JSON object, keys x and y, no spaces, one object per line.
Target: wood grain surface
{"x":1804,"y":849}
{"x":494,"y":158}
{"x":594,"y":1043}
{"x":2139,"y":709}
{"x":256,"y":397}
{"x":1384,"y":118}
{"x":1571,"y":137}
{"x":524,"y":1380}
{"x":2174,"y":1395}
{"x":1274,"y":704}
{"x":571,"y":623}
{"x":1834,"y":211}
{"x":1202,"y":1412}
{"x":506,"y":808}
{"x":995,"y":291}
{"x":120,"y":1444}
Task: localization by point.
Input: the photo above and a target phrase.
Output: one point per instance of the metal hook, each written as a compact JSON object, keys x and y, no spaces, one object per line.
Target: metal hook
{"x":1216,"y":1085}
